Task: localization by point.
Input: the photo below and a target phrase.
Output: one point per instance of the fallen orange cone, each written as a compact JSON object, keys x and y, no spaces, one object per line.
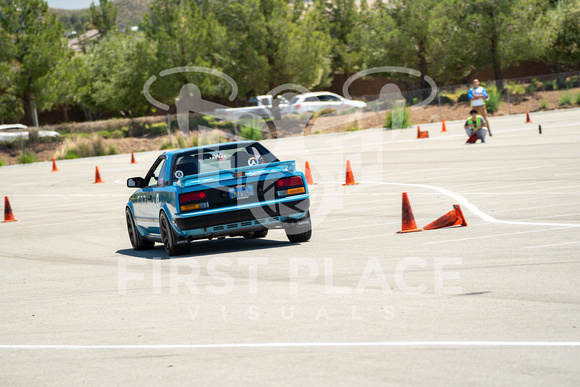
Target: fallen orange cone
{"x":528,"y":121}
{"x":54,"y":168}
{"x":443,"y":127}
{"x":97,"y":176}
{"x":409,"y":224}
{"x":452,"y":218}
{"x":8,"y":214}
{"x":308,"y":174}
{"x":133,"y":158}
{"x":349,"y":175}
{"x":422,"y":133}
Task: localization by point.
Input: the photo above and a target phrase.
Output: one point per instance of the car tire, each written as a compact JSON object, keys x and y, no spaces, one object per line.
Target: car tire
{"x":169,"y":238}
{"x":256,"y":234}
{"x":136,"y":239}
{"x":300,"y":231}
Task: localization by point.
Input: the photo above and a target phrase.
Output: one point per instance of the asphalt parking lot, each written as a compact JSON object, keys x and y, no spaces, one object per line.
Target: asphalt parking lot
{"x":493,"y":303}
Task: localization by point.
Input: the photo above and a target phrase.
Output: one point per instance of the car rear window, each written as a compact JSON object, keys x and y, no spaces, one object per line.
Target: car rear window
{"x":215,"y":158}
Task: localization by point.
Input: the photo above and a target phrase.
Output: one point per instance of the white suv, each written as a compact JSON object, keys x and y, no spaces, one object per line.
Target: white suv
{"x":312,"y":102}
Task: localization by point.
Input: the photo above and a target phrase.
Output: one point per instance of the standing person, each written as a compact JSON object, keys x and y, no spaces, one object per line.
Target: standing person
{"x":476,"y":124}
{"x":476,"y":95}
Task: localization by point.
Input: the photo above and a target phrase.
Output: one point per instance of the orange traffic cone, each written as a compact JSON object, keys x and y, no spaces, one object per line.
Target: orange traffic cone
{"x":409,"y":224}
{"x":443,"y":127}
{"x":349,"y":175}
{"x":8,"y":215}
{"x":54,"y":168}
{"x":422,"y":134}
{"x":133,"y":158}
{"x":97,"y":176}
{"x":528,"y":121}
{"x":308,"y":174}
{"x":452,"y":218}
{"x":418,"y":132}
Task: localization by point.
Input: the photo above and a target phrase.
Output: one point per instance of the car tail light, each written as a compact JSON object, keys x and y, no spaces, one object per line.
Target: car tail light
{"x":297,"y":106}
{"x":290,"y":186}
{"x":290,"y":181}
{"x":193,"y":201}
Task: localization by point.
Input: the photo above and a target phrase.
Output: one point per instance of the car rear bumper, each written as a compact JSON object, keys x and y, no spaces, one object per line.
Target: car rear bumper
{"x":287,"y":208}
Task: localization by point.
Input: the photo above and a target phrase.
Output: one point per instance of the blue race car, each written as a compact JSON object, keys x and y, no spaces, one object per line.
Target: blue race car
{"x":214,"y":191}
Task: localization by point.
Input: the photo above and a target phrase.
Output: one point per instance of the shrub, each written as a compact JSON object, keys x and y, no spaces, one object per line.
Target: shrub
{"x":157,"y":129}
{"x":347,"y":111}
{"x":398,"y":118}
{"x":578,"y":98}
{"x":112,"y":150}
{"x":492,"y":104}
{"x":83,"y":147}
{"x":250,"y":133}
{"x":544,"y":104}
{"x":324,"y":112}
{"x":353,"y":126}
{"x":463,"y":98}
{"x":565,"y":99}
{"x":104,"y":134}
{"x":119,"y":133}
{"x":531,"y":88}
{"x":1,"y":163}
{"x":26,"y":157}
{"x":550,"y":85}
{"x":251,"y":129}
{"x":516,"y":88}
{"x":443,"y":98}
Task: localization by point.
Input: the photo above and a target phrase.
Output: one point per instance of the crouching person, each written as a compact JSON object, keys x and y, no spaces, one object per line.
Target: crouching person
{"x":475,"y":127}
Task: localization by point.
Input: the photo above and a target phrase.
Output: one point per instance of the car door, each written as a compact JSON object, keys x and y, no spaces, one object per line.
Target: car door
{"x":150,"y":204}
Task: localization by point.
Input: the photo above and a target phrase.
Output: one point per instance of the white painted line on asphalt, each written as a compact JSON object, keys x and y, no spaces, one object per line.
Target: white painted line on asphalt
{"x":469,"y":206}
{"x":551,"y":216}
{"x":320,"y":344}
{"x":533,"y":208}
{"x":496,"y":235}
{"x":555,"y":244}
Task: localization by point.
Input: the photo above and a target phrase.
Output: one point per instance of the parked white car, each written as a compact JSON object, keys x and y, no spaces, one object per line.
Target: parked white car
{"x":15,"y":131}
{"x":313,"y":102}
{"x":258,"y":106}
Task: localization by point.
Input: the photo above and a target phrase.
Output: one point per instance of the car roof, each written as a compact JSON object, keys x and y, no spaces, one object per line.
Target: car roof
{"x":12,"y":126}
{"x":317,"y":93}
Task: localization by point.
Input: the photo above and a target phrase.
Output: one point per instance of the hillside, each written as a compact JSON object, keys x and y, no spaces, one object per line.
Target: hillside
{"x":129,"y":13}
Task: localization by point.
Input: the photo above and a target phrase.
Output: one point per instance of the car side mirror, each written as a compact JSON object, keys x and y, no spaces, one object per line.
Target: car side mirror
{"x":135,"y":182}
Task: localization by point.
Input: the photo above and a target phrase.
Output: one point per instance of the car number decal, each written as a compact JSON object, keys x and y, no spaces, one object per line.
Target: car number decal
{"x":241,"y":192}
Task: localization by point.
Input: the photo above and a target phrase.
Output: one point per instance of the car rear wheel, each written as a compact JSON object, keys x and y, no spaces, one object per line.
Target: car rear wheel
{"x":136,"y":239}
{"x":300,"y":231}
{"x":170,"y":241}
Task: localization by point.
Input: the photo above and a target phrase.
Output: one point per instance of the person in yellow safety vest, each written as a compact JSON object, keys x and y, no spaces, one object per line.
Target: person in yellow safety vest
{"x":476,"y":123}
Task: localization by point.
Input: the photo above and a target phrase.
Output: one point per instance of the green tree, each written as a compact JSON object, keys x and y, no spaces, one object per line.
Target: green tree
{"x":118,"y":68}
{"x":562,"y":27}
{"x":343,"y":18}
{"x":186,"y":33}
{"x":32,"y":45}
{"x":406,"y":34}
{"x":272,"y":42}
{"x":103,"y":17}
{"x":499,"y":33}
